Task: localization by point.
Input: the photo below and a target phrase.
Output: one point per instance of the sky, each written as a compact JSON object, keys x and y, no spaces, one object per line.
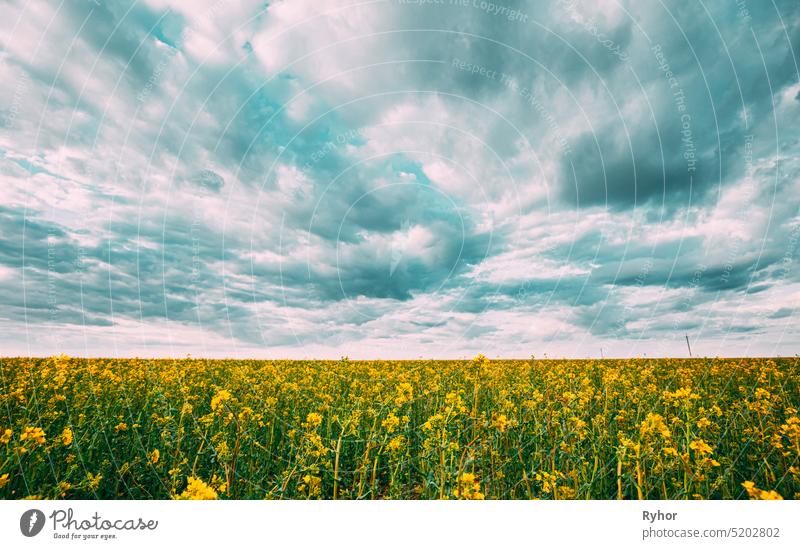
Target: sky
{"x":396,"y":179}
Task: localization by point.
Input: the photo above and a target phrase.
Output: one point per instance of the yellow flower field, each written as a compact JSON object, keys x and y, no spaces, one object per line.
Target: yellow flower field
{"x":469,"y":429}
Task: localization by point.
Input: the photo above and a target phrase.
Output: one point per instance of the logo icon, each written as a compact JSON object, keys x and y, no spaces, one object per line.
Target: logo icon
{"x":31,"y":522}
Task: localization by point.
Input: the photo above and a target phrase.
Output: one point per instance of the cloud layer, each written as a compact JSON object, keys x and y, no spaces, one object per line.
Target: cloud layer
{"x":399,"y":178}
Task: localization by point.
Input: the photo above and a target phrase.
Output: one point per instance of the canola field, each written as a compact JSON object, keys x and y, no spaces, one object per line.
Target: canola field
{"x":468,"y":429}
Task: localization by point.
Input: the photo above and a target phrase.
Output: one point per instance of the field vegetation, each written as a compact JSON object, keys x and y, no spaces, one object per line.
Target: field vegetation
{"x":460,"y":429}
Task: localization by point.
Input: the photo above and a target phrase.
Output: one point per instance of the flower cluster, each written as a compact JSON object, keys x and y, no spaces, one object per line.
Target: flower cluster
{"x":424,"y":429}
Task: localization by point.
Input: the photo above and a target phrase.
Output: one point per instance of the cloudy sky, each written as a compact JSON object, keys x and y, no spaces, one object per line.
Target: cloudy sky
{"x":389,"y":178}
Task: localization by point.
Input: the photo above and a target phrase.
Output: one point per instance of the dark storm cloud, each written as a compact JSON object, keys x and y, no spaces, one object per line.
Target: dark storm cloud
{"x":153,"y":270}
{"x":239,"y":173}
{"x":693,"y":141}
{"x":783,"y":312}
{"x":208,"y":179}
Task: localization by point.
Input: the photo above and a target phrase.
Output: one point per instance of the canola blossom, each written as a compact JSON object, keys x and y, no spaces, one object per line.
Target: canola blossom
{"x":429,"y":429}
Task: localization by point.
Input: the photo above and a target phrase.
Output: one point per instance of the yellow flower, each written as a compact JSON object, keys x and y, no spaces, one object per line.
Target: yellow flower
{"x":757,"y":493}
{"x":222,"y":449}
{"x":409,"y":430}
{"x":197,"y":489}
{"x":434,"y":421}
{"x":396,"y":444}
{"x":468,"y":487}
{"x":390,"y":423}
{"x":565,"y":492}
{"x":36,"y":434}
{"x":405,"y":393}
{"x":548,"y":480}
{"x":219,"y":484}
{"x":313,"y":420}
{"x":222,"y":396}
{"x":66,"y":436}
{"x":94,"y":480}
{"x":580,"y":426}
{"x":501,"y":422}
{"x":762,"y":394}
{"x":313,"y":483}
{"x":791,"y":430}
{"x":699,"y":445}
{"x":680,"y":396}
